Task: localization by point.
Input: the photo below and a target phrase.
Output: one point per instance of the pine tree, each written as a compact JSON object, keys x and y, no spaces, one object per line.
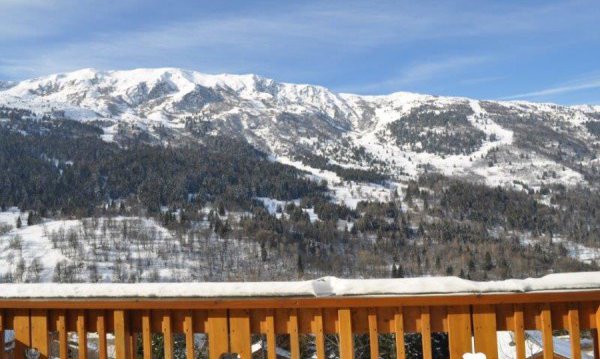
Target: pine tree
{"x":19,"y":223}
{"x":300,"y":267}
{"x":400,"y":272}
{"x":488,"y":264}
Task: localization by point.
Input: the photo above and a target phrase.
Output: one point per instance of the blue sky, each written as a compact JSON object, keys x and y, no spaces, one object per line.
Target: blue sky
{"x":533,"y":50}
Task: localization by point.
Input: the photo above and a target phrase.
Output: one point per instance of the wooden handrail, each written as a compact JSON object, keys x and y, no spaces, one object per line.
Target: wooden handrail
{"x":471,"y":322}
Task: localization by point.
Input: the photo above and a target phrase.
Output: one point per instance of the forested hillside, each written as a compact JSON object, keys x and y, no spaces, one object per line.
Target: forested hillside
{"x":219,"y":209}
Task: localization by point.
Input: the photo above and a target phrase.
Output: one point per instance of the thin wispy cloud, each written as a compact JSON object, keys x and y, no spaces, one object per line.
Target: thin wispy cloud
{"x":579,"y":85}
{"x":423,"y":72}
{"x":481,"y":80}
{"x":426,"y":71}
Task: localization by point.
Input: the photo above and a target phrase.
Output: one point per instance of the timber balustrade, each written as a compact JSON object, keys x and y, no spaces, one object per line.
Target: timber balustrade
{"x":470,"y":319}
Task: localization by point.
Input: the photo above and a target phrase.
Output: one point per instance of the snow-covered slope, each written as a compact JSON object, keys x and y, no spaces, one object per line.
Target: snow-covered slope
{"x":401,"y":135}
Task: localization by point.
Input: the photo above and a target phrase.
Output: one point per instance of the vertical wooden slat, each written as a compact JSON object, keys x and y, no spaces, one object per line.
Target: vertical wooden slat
{"x":61,"y":328}
{"x":345,"y":334}
{"x":317,"y":328}
{"x":399,"y":334}
{"x":519,"y":330}
{"x":101,"y":328}
{"x":546,"y":323}
{"x":270,"y":334}
{"x":2,"y":344}
{"x":22,"y":332}
{"x":596,"y":339}
{"x":39,"y":332}
{"x":81,"y":335}
{"x":597,"y":336}
{"x":239,"y":333}
{"x":574,"y":333}
{"x":188,"y":330}
{"x":121,"y":324}
{"x":218,"y":335}
{"x":459,"y":331}
{"x":132,"y":342}
{"x":426,"y":333}
{"x":293,"y":331}
{"x":484,"y":330}
{"x":373,"y":333}
{"x":147,"y":334}
{"x":167,"y":330}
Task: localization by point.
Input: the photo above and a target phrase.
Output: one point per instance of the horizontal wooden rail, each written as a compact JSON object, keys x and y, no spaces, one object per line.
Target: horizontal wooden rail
{"x":233,"y":325}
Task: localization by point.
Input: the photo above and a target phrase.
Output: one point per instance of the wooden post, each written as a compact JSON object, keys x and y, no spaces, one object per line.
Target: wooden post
{"x":373,"y":333}
{"x":101,"y":327}
{"x":294,"y":334}
{"x":132,"y":341}
{"x":81,"y":335}
{"x":399,"y":334}
{"x":597,"y":336}
{"x":319,"y":332}
{"x":239,"y":333}
{"x":122,"y":332}
{"x":167,"y":329}
{"x":574,"y":333}
{"x":2,"y":344}
{"x":146,"y":334}
{"x":61,"y":327}
{"x":484,"y":329}
{"x":218,"y":334}
{"x":21,"y":326}
{"x":547,"y":339}
{"x":519,"y":330}
{"x":345,"y":334}
{"x":188,"y":329}
{"x":39,"y":330}
{"x":270,"y":335}
{"x":459,"y":331}
{"x":426,"y":333}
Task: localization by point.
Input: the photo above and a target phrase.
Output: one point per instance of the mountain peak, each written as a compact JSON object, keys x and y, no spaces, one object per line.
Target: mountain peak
{"x":403,"y":133}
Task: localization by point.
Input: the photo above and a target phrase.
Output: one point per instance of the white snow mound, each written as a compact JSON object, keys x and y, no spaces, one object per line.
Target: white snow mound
{"x":327,"y":286}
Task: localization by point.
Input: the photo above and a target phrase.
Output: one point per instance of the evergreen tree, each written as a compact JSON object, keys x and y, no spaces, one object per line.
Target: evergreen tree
{"x":300,"y":267}
{"x":400,"y":272}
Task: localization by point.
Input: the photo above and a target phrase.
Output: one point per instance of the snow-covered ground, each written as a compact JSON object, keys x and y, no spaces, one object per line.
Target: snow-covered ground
{"x":322,"y":287}
{"x":580,"y":252}
{"x":345,"y":192}
{"x":122,"y":249}
{"x":21,"y":246}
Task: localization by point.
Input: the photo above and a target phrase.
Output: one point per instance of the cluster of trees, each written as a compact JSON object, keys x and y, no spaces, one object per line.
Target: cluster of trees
{"x":348,"y":174}
{"x":73,"y":174}
{"x":593,"y":127}
{"x":447,"y":132}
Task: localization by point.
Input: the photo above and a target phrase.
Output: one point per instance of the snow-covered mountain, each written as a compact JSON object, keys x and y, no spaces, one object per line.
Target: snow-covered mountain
{"x":400,"y":135}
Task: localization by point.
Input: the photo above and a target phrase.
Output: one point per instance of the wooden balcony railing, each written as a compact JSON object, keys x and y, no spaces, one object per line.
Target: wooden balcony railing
{"x":471,"y":319}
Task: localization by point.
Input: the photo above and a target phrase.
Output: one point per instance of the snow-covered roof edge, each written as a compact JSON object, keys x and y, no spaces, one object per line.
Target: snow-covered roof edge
{"x":322,"y":287}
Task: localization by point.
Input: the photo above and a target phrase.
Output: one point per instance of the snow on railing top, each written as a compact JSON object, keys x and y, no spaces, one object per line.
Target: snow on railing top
{"x":323,"y":287}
